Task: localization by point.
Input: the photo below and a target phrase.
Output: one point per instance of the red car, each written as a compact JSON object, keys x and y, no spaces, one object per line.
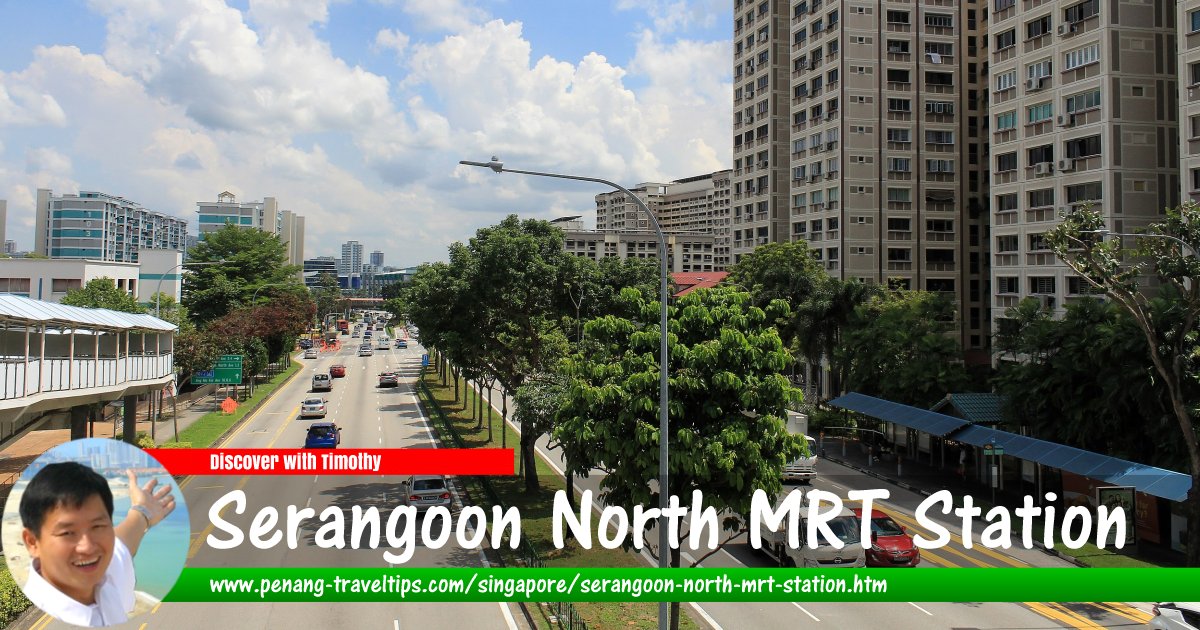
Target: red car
{"x":891,"y":545}
{"x":337,"y":371}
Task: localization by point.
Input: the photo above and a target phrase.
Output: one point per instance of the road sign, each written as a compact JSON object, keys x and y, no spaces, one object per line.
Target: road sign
{"x":424,"y":360}
{"x":227,"y":371}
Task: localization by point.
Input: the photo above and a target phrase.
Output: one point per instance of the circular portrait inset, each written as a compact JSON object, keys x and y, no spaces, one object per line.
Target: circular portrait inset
{"x":95,"y":532}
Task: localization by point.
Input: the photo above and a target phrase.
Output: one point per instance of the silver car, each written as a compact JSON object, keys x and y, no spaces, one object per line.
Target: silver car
{"x":313,"y":408}
{"x":426,"y":491}
{"x":1176,"y":616}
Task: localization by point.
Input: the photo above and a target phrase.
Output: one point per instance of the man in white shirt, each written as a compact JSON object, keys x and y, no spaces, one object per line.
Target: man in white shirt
{"x":83,"y":564}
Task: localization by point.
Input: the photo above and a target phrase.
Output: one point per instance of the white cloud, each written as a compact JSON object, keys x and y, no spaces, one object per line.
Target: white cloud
{"x":677,"y":15}
{"x":203,"y":56}
{"x":391,"y":39}
{"x":445,"y":15}
{"x":20,"y":105}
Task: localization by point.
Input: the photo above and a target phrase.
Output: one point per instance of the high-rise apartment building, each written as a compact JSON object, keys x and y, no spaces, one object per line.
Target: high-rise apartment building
{"x":687,"y":252}
{"x":1188,"y":38}
{"x":377,"y":260}
{"x":692,"y":205}
{"x":100,"y":226}
{"x":1083,"y":111}
{"x":352,"y":259}
{"x":858,"y":127}
{"x":262,"y":215}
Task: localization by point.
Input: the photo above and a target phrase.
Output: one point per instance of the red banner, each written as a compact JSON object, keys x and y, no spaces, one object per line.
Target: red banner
{"x":347,"y":461}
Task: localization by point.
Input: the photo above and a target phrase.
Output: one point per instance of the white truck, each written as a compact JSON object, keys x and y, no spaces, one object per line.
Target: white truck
{"x":824,"y":555}
{"x":803,"y":469}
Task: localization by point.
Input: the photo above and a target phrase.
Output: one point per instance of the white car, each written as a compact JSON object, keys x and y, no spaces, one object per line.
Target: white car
{"x":426,"y":491}
{"x":366,"y":351}
{"x":313,"y":408}
{"x":311,"y":353}
{"x":1176,"y":616}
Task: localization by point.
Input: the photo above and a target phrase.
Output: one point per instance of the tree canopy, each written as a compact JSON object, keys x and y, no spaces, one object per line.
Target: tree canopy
{"x":250,"y":260}
{"x":103,"y":293}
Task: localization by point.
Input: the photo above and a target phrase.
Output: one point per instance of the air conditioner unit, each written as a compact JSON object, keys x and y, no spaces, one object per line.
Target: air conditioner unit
{"x":1043,"y":168}
{"x":1066,"y":164}
{"x":762,"y":164}
{"x":1033,"y":85}
{"x":1061,"y":120}
{"x":813,"y":177}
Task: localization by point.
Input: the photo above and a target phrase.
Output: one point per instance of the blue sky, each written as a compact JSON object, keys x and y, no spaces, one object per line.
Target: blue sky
{"x":355,"y":114}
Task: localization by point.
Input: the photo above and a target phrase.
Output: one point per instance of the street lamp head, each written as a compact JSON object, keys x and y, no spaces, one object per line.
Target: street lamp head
{"x":1102,"y":231}
{"x":495,"y":164}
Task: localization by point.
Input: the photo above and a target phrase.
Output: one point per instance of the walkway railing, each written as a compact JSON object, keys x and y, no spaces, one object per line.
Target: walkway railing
{"x":20,"y":378}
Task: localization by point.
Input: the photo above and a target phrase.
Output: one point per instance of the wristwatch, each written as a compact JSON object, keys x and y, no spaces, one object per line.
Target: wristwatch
{"x":144,"y":511}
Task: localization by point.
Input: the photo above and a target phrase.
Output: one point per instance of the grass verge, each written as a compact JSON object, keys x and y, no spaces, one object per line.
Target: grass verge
{"x":536,"y":510}
{"x":211,"y":426}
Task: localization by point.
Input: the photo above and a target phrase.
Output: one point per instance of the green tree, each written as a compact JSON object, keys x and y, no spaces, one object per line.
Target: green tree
{"x":328,"y":296}
{"x":168,"y":309}
{"x":103,"y":293}
{"x":1166,"y":318}
{"x":727,"y":408}
{"x":252,"y":259}
{"x":1085,"y":380}
{"x":897,"y":347}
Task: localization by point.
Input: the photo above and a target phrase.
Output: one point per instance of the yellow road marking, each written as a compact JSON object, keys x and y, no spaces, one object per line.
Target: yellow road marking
{"x":42,"y":622}
{"x":936,"y":559}
{"x":1125,"y":610}
{"x":156,"y":607}
{"x":142,"y":627}
{"x":1080,"y":620}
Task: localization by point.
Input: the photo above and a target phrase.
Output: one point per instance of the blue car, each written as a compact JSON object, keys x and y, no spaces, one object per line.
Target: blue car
{"x":323,"y":435}
{"x":401,"y":343}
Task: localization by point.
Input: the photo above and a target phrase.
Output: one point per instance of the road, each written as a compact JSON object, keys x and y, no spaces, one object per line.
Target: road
{"x":371,"y":418}
{"x":911,"y":615}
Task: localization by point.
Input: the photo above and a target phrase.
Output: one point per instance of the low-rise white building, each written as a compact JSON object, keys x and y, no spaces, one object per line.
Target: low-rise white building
{"x":49,"y":279}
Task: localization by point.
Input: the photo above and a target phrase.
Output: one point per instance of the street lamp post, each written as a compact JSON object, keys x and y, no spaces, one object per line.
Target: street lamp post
{"x":158,"y":291}
{"x":663,"y":544}
{"x":1104,"y":232}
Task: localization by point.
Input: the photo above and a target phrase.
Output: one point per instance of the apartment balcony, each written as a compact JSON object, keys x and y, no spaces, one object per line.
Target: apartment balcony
{"x":1005,"y":260}
{"x":939,"y":266}
{"x":940,"y":236}
{"x":1038,"y":215}
{"x":900,"y":265}
{"x":899,"y":235}
{"x":1040,"y":258}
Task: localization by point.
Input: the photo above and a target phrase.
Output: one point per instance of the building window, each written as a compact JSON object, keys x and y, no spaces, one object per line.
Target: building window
{"x":1006,"y":243}
{"x":1083,"y":11}
{"x":897,"y":76}
{"x":939,"y":137}
{"x":899,"y":135}
{"x":1194,"y":21}
{"x":1194,"y":73}
{"x":1082,"y":56}
{"x":939,"y":107}
{"x":1041,"y":198}
{"x":1006,"y":162}
{"x":14,"y":285}
{"x":1007,"y":39}
{"x":1038,"y":27}
{"x":62,"y":285}
{"x":1040,"y":112}
{"x":1008,"y":80}
{"x":1001,"y":5}
{"x":1083,"y":101}
{"x":899,"y":165}
{"x":939,"y":20}
{"x":1083,"y":147}
{"x":1006,"y":121}
{"x":897,"y":46}
{"x":1037,"y":242}
{"x":1040,"y":155}
{"x":939,"y":225}
{"x":1082,"y":193}
{"x":899,"y":254}
{"x":1007,"y":202}
{"x":897,"y":17}
{"x":899,"y":105}
{"x":1039,"y":70}
{"x":1008,"y":285}
{"x":899,"y":195}
{"x":939,"y":166}
{"x":899,"y":224}
{"x":1041,"y":285}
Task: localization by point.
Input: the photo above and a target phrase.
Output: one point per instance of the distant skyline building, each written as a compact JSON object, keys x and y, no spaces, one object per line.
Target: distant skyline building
{"x":262,"y":215}
{"x":314,"y":268}
{"x":99,"y":226}
{"x":352,"y":259}
{"x":691,"y":205}
{"x":377,"y":259}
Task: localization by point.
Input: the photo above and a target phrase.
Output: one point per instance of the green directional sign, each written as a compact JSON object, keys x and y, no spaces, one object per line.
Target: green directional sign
{"x":227,"y":371}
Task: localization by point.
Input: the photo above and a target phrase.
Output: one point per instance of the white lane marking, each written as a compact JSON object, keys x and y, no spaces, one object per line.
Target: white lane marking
{"x":814,"y":617}
{"x":837,"y":486}
{"x":508,"y":618}
{"x":308,"y":503}
{"x":920,"y":609}
{"x":381,"y":440}
{"x":396,"y":624}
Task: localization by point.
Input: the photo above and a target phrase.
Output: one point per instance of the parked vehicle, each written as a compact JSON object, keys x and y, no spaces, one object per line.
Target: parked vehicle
{"x":323,"y":435}
{"x":1176,"y":616}
{"x":824,"y":555}
{"x":803,"y":469}
{"x":891,"y":545}
{"x":426,"y":491}
{"x":313,"y":408}
{"x":322,"y":382}
{"x":337,"y":371}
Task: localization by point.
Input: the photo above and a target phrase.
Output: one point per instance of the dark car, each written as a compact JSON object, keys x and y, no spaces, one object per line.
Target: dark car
{"x":388,"y":379}
{"x":891,"y":545}
{"x":305,"y":344}
{"x":323,"y":435}
{"x":337,"y":371}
